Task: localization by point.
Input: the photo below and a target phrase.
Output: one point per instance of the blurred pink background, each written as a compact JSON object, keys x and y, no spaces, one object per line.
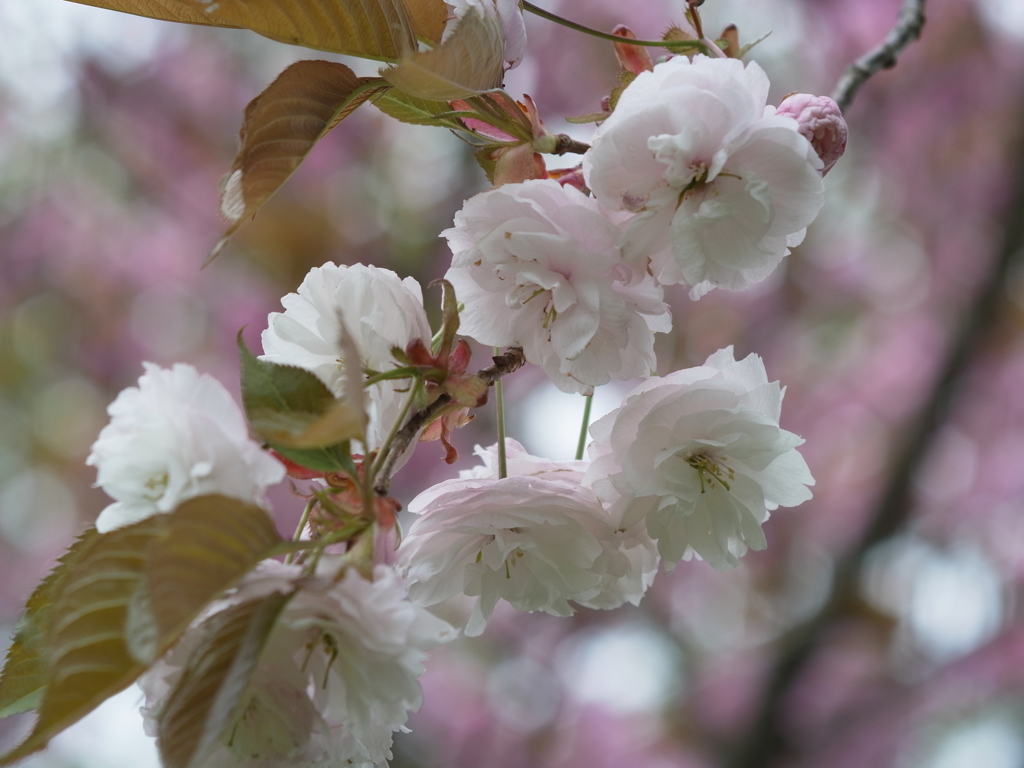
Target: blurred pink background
{"x":901,"y":647}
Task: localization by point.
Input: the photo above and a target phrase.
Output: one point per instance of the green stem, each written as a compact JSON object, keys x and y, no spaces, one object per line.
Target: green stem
{"x":583,"y":429}
{"x":409,"y":372}
{"x":499,"y":400}
{"x":382,"y":454}
{"x":607,"y":35}
{"x":303,"y":545}
{"x":300,"y":527}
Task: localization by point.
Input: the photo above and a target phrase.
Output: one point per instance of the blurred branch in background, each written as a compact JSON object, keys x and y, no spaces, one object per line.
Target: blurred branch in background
{"x":766,"y":742}
{"x":907,"y":30}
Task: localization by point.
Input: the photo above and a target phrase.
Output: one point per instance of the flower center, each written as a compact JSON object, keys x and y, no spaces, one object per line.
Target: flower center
{"x":521,"y":295}
{"x":711,"y":471}
{"x":155,"y":487}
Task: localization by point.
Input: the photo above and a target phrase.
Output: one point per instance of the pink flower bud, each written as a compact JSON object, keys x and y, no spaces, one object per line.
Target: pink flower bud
{"x":821,"y":121}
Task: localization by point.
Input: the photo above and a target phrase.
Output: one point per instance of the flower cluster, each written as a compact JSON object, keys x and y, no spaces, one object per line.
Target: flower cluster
{"x":693,"y":178}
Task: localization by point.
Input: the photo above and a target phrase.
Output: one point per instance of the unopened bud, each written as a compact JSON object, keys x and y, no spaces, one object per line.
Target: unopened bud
{"x":632,"y":58}
{"x":820,"y":120}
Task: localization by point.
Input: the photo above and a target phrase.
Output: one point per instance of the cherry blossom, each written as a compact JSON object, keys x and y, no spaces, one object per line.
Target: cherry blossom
{"x":699,"y":455}
{"x":721,"y":185}
{"x":537,"y":540}
{"x":176,"y":435}
{"x":337,"y":677}
{"x":381,"y":311}
{"x":538,"y":264}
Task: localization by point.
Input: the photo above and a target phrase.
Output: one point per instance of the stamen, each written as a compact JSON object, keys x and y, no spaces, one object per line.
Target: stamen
{"x":715,"y":471}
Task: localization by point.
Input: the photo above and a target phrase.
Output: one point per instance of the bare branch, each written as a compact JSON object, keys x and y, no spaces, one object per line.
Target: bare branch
{"x":907,"y":30}
{"x":510,"y":362}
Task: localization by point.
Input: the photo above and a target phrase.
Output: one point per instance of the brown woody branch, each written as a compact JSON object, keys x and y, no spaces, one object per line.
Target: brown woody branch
{"x":510,"y":362}
{"x":907,"y":30}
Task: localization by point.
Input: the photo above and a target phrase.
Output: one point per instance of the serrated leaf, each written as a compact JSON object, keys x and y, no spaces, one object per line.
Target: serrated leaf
{"x":183,"y":11}
{"x":428,"y":18}
{"x":24,"y":675}
{"x":203,"y":704}
{"x":372,"y":29}
{"x":409,"y":109}
{"x":208,"y":545}
{"x":119,"y":600}
{"x":279,"y":129}
{"x":471,"y":61}
{"x":84,"y":644}
{"x":290,"y":407}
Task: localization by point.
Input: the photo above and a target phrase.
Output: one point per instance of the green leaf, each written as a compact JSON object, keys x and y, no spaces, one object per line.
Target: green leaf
{"x":24,"y":676}
{"x":428,"y":18}
{"x":85,"y":644}
{"x":290,"y":407}
{"x":337,"y":458}
{"x":205,"y":702}
{"x":118,"y":601}
{"x":182,"y":11}
{"x":470,"y":62}
{"x":373,"y":29}
{"x":208,"y":545}
{"x":279,"y":129}
{"x":409,"y":109}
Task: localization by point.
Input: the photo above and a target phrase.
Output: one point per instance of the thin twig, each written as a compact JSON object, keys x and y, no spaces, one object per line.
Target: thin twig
{"x":765,"y":741}
{"x":511,"y":361}
{"x":527,"y":6}
{"x":907,"y":30}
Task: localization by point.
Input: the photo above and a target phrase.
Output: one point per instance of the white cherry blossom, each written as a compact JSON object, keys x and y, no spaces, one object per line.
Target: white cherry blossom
{"x":700,"y":457}
{"x":539,"y":264}
{"x":380,"y":310}
{"x":536,"y":539}
{"x":722,"y":187}
{"x":176,"y":435}
{"x":336,"y":679}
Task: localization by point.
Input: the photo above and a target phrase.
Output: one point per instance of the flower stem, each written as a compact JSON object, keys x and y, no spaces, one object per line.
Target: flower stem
{"x":603,"y":35}
{"x":510,"y":362}
{"x":382,"y":454}
{"x":499,"y":401}
{"x":300,"y":527}
{"x":583,"y":429}
{"x":304,"y":545}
